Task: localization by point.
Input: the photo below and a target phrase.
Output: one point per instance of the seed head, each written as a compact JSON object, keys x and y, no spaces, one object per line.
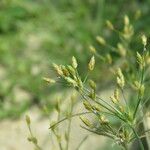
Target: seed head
{"x":128,"y":30}
{"x":126,"y":20}
{"x":109,"y":25}
{"x":86,"y":121}
{"x":92,"y":49}
{"x":92,"y":84}
{"x":144,"y":40}
{"x":28,"y":121}
{"x":91,"y":64}
{"x":71,"y":81}
{"x":121,"y":108}
{"x":103,"y":120}
{"x":96,"y":107}
{"x":58,"y":69}
{"x":122,"y":50}
{"x":65,"y":71}
{"x":87,"y":105}
{"x":48,"y":80}
{"x":113,"y":99}
{"x":101,"y":40}
{"x":136,"y":85}
{"x":92,"y":95}
{"x":116,"y":94}
{"x":120,"y":78}
{"x":71,"y":70}
{"x":74,"y":62}
{"x":109,"y":58}
{"x":140,"y":60}
{"x":32,"y":139}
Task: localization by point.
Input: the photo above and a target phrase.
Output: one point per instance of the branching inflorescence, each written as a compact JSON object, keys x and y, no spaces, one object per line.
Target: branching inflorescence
{"x":123,"y":131}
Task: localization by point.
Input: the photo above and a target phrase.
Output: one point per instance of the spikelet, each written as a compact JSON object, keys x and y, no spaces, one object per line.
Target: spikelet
{"x":128,"y":30}
{"x":140,"y":60}
{"x":91,"y":64}
{"x":121,"y":49}
{"x":120,"y":78}
{"x":144,"y":40}
{"x":92,"y":84}
{"x":136,"y":85}
{"x":96,"y":107}
{"x":86,"y":121}
{"x":101,"y":40}
{"x":65,"y":71}
{"x":109,"y":58}
{"x":58,"y":69}
{"x":87,"y":105}
{"x":109,"y":25}
{"x":74,"y":62}
{"x":126,"y":20}
{"x":115,"y":97}
{"x":103,"y":120}
{"x":71,"y":81}
{"x":33,"y":139}
{"x":92,"y":49}
{"x":28,"y":120}
{"x":71,"y":70}
{"x":48,"y":80}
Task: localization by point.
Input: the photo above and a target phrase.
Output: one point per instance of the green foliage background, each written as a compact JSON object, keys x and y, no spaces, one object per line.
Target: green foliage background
{"x":34,"y":33}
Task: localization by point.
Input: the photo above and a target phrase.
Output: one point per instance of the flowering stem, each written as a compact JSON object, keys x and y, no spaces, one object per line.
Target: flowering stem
{"x":138,"y":138}
{"x":139,"y":97}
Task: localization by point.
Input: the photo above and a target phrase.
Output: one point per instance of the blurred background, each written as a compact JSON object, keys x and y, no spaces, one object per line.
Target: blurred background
{"x":35,"y":33}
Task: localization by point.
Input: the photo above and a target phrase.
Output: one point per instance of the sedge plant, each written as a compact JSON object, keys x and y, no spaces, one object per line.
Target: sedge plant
{"x":115,"y":118}
{"x":125,"y":131}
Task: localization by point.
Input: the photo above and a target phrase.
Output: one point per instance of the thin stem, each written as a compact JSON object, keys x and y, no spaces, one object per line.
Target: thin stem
{"x":139,"y":97}
{"x":35,"y":144}
{"x":138,"y":138}
{"x":59,"y":143}
{"x":69,"y":127}
{"x":66,"y":118}
{"x":114,"y":113}
{"x":80,"y":144}
{"x":142,"y":136}
{"x":103,"y":134}
{"x":138,"y":103}
{"x":58,"y":140}
{"x":111,"y":106}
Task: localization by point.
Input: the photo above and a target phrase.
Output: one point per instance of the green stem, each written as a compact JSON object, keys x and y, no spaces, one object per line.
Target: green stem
{"x":138,"y":138}
{"x":69,"y":127}
{"x":66,"y":118}
{"x":85,"y":138}
{"x":111,"y":106}
{"x":139,"y":97}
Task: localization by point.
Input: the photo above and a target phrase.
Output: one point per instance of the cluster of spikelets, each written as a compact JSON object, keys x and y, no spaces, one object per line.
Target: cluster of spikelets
{"x":122,"y":49}
{"x":32,"y":138}
{"x":125,"y":131}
